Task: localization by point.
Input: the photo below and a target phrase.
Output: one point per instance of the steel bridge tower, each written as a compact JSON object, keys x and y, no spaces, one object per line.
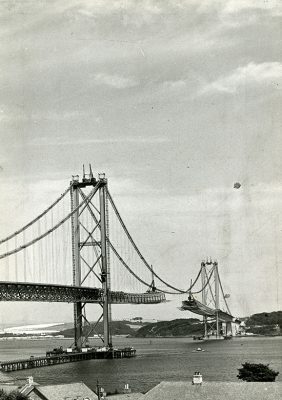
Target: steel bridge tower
{"x":76,"y":193}
{"x":213,"y":265}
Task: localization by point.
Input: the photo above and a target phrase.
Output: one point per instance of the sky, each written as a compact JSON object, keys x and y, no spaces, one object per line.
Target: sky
{"x":175,"y":101}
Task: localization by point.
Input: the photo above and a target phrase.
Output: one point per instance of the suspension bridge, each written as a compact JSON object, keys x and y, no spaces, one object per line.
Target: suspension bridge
{"x":79,"y":250}
{"x":217,"y":317}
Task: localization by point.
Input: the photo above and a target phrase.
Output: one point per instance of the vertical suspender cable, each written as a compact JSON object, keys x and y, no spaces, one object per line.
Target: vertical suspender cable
{"x":16,"y":261}
{"x":52,"y":250}
{"x":24,"y":255}
{"x":8,"y":264}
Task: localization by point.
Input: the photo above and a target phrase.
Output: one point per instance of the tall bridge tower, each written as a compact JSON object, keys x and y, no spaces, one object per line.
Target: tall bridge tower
{"x":101,"y":250}
{"x":64,"y":255}
{"x":207,"y":295}
{"x":213,"y":306}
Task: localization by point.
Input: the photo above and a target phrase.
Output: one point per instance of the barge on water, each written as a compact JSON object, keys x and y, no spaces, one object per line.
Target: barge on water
{"x":66,"y":357}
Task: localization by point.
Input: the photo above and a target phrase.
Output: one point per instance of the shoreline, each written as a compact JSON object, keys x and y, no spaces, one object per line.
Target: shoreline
{"x":10,"y":338}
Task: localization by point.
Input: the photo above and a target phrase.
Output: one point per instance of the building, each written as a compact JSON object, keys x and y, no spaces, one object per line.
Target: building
{"x":126,"y":396}
{"x":196,"y":389}
{"x":8,"y":388}
{"x":215,"y":391}
{"x":67,"y":391}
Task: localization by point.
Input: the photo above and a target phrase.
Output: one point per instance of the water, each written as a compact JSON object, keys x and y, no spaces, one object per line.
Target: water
{"x":157,"y":360}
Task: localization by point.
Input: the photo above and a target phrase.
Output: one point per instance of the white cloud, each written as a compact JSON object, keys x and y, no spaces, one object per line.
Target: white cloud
{"x":234,"y":6}
{"x":250,"y":74}
{"x":151,"y":6}
{"x":115,"y":81}
{"x":8,"y":114}
{"x":179,"y":84}
{"x":46,"y":141}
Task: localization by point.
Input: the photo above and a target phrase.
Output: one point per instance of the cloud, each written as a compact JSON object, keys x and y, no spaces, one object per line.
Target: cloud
{"x":155,"y":7}
{"x":174,"y":85}
{"x":267,"y":73}
{"x":46,"y":141}
{"x":115,"y":81}
{"x":225,"y":7}
{"x":146,"y":10}
{"x":20,"y":115}
{"x":235,"y":6}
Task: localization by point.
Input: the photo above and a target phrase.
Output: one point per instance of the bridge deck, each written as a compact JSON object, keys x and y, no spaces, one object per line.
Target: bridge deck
{"x":20,"y":291}
{"x":199,"y":308}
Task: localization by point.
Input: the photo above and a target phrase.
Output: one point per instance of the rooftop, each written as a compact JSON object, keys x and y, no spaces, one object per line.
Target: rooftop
{"x":8,"y":388}
{"x":127,"y":396}
{"x":216,"y":391}
{"x":66,"y":391}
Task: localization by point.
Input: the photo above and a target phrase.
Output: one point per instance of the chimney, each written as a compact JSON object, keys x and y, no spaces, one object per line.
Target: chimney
{"x":197,"y":379}
{"x":126,"y":388}
{"x":30,"y":380}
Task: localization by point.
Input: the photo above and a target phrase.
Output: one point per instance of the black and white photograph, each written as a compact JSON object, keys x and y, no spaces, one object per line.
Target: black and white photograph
{"x":141,"y":199}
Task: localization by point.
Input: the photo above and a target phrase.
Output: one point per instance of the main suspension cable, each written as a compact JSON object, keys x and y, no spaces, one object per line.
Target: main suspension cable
{"x":149,"y":285}
{"x":141,"y":256}
{"x":113,"y":248}
{"x":16,"y":250}
{"x":228,"y":309}
{"x":37,"y":218}
{"x":207,"y":283}
{"x":139,"y":253}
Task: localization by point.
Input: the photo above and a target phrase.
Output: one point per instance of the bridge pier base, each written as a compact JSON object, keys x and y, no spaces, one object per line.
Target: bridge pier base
{"x":78,"y":332}
{"x":229,"y":328}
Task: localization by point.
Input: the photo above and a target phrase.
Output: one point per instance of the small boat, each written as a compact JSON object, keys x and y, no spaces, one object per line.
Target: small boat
{"x":198,"y":337}
{"x":198,"y":350}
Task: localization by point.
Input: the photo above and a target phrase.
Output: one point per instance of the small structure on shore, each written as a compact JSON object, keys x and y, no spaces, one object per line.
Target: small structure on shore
{"x":197,"y":379}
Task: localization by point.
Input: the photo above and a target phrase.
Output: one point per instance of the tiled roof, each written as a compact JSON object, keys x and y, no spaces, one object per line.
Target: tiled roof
{"x":26,"y":389}
{"x":126,"y":396}
{"x":68,"y":391}
{"x":216,"y":391}
{"x":9,"y":388}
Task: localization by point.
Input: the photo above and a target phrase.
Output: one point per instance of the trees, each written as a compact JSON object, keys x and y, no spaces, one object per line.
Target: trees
{"x":256,"y":373}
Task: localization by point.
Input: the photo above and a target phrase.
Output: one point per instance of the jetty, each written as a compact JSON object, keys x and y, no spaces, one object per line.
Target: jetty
{"x":55,"y":359}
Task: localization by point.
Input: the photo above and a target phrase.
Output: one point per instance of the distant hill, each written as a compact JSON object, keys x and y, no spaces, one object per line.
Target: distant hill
{"x":261,"y":324}
{"x":117,"y":328}
{"x":265,"y":323}
{"x":177,"y":327}
{"x":265,"y":318}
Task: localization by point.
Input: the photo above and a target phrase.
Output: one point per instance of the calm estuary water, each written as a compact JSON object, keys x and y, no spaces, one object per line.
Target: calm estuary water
{"x":157,"y":360}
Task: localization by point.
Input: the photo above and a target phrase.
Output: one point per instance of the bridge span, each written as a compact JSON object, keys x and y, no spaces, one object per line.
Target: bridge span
{"x":23,"y":291}
{"x":199,"y":308}
{"x":79,"y":251}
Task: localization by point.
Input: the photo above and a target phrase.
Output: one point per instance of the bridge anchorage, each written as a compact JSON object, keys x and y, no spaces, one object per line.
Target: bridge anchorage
{"x":217,"y":318}
{"x":81,"y":256}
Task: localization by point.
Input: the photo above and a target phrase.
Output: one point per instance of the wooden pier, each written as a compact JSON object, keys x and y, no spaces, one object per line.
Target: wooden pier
{"x":44,"y":361}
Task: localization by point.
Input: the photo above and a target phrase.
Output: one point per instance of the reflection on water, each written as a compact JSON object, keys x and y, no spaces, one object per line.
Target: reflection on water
{"x":157,"y":360}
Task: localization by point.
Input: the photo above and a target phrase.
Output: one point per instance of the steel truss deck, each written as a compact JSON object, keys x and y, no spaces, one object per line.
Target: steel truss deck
{"x":199,"y":308}
{"x":40,"y":292}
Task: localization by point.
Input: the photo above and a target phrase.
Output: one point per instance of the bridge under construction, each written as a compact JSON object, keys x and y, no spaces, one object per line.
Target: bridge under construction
{"x":213,"y":306}
{"x":79,"y":250}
